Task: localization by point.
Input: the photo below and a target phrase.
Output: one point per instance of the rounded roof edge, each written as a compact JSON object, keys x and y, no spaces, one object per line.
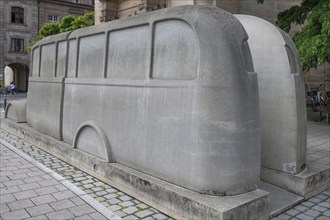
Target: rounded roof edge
{"x":273,"y":27}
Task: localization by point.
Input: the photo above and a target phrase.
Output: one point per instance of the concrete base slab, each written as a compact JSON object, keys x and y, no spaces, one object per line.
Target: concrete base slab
{"x":280,"y":199}
{"x":173,"y":200}
{"x":311,"y":181}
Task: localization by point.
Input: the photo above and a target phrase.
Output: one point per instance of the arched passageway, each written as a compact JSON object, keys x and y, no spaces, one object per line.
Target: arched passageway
{"x":19,"y":74}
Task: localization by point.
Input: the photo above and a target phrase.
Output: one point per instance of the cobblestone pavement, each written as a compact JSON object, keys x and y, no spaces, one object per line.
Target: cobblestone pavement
{"x":317,"y":207}
{"x":28,"y":191}
{"x":24,"y":188}
{"x":118,"y":202}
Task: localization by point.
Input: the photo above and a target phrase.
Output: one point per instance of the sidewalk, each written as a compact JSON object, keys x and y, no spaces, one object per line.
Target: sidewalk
{"x":37,"y":185}
{"x":29,"y":190}
{"x":102,"y":196}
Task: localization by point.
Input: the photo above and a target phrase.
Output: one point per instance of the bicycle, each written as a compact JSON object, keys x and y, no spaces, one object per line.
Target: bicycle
{"x":316,"y":99}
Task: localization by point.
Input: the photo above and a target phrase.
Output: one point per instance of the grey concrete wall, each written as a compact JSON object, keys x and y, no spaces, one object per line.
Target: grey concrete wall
{"x":189,"y":116}
{"x":281,"y":91}
{"x":45,"y":97}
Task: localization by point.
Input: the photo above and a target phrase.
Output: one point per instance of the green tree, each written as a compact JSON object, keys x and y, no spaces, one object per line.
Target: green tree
{"x":313,"y":41}
{"x":68,"y":23}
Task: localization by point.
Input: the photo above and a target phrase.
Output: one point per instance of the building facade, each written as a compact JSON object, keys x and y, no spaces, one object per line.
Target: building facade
{"x":20,"y":22}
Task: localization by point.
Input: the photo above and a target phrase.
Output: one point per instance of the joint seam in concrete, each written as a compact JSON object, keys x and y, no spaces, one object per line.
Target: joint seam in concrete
{"x":81,"y":194}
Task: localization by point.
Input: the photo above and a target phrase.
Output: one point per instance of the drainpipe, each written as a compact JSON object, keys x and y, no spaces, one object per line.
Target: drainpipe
{"x":38,"y":15}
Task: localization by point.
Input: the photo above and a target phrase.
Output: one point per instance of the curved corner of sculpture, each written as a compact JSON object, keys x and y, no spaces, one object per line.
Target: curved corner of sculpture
{"x":93,"y":131}
{"x":16,"y":111}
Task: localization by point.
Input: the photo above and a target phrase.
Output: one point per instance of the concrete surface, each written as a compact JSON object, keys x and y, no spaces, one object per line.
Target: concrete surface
{"x":193,"y":123}
{"x":129,"y":206}
{"x":16,"y":110}
{"x":174,"y":200}
{"x":281,"y":91}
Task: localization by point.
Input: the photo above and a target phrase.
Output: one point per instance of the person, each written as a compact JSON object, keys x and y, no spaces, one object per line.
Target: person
{"x":12,"y":88}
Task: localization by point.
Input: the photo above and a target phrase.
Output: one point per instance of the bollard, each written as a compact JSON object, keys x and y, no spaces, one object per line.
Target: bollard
{"x":4,"y":100}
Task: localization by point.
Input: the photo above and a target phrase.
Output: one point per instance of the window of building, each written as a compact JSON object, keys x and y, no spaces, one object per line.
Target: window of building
{"x":17,"y":45}
{"x":53,"y":18}
{"x":17,"y":15}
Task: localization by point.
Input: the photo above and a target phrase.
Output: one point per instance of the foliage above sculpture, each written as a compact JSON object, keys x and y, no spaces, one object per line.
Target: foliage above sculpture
{"x":68,"y":23}
{"x":313,"y":41}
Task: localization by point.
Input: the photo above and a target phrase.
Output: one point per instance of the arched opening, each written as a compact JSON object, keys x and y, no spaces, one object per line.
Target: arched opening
{"x":19,"y":74}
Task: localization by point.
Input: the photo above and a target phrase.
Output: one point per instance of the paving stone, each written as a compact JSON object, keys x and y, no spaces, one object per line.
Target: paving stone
{"x":96,"y":189}
{"x":111,"y":190}
{"x":78,"y":179}
{"x":319,"y":208}
{"x":21,"y":204}
{"x":81,"y":210}
{"x":33,"y":179}
{"x":114,"y":201}
{"x":322,"y":218}
{"x":124,"y":198}
{"x":307,"y":204}
{"x":77,"y":175}
{"x":25,"y":194}
{"x":77,"y":201}
{"x":327,"y":213}
{"x":131,"y":217}
{"x":160,"y":216}
{"x":13,"y":182}
{"x":84,"y":217}
{"x":101,"y":193}
{"x":98,"y":183}
{"x":7,"y":198}
{"x":312,"y":213}
{"x":4,"y":208}
{"x":87,"y":181}
{"x":63,"y":214}
{"x":88,"y":186}
{"x":105,"y":203}
{"x":126,"y":204}
{"x":63,"y":195}
{"x":46,"y":190}
{"x":130,"y":210}
{"x":115,"y":208}
{"x":304,"y":217}
{"x":60,"y":187}
{"x":48,"y":182}
{"x":142,"y":206}
{"x":100,"y":199}
{"x":111,"y":196}
{"x":300,"y":208}
{"x":9,"y":190}
{"x":325,"y":204}
{"x":21,"y":171}
{"x":144,"y":213}
{"x":39,"y":210}
{"x":28,"y":186}
{"x":19,"y":214}
{"x":120,"y":213}
{"x":326,"y":192}
{"x":62,"y":204}
{"x":292,"y":212}
{"x":284,"y":216}
{"x":39,"y":217}
{"x":39,"y":200}
{"x":97,"y":216}
{"x":322,"y":197}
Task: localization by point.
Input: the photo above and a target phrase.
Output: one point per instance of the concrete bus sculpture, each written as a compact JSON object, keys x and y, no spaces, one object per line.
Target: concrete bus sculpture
{"x":170,"y":93}
{"x":281,"y":91}
{"x":282,"y":110}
